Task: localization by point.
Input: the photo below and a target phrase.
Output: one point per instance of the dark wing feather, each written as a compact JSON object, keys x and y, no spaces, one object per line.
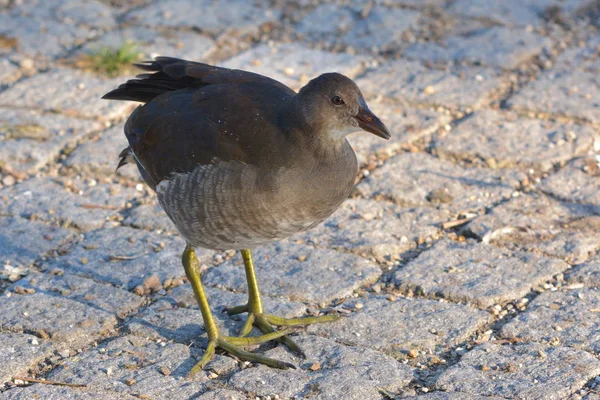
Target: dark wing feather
{"x":196,"y":114}
{"x":170,"y":74}
{"x":180,"y":130}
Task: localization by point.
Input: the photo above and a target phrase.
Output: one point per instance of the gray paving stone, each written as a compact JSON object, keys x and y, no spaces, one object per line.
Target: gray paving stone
{"x":176,"y":317}
{"x":151,"y":43}
{"x":380,"y":29}
{"x":298,"y":272}
{"x":527,"y":371}
{"x":149,"y":216}
{"x":69,"y":323}
{"x":239,"y":17}
{"x":476,"y":273}
{"x":407,"y":124}
{"x":125,"y":256}
{"x":294,"y":64}
{"x":138,"y":360}
{"x":578,"y":182}
{"x":222,"y":394}
{"x":395,"y":327}
{"x":418,"y":179}
{"x":101,"y":156}
{"x":569,"y":316}
{"x":506,"y":140}
{"x":70,"y":91}
{"x":587,"y":273}
{"x":567,"y":89}
{"x":62,"y":24}
{"x":100,"y":296}
{"x":451,"y":396}
{"x":29,"y":139}
{"x":513,"y":12}
{"x":49,"y":392}
{"x":47,"y":200}
{"x":89,"y":13}
{"x":22,"y":242}
{"x":414,"y":3}
{"x":19,"y":353}
{"x":541,"y":224}
{"x":410,"y":81}
{"x":343,"y":373}
{"x":379,"y":229}
{"x":497,"y":47}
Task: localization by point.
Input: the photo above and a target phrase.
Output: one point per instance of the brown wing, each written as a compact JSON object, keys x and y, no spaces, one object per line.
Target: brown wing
{"x":170,"y":74}
{"x":180,"y":130}
{"x":196,"y":114}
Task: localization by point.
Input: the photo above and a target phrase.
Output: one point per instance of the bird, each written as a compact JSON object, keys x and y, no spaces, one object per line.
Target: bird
{"x":238,"y":160}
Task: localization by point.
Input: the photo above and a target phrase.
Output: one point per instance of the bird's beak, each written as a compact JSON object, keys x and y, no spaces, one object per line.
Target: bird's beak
{"x":370,"y":123}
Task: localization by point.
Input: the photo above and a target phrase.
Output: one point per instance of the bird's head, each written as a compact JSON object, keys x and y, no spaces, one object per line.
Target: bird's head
{"x":332,"y":104}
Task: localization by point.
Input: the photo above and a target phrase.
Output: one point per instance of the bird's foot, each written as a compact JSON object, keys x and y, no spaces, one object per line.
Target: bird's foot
{"x":266,"y":323}
{"x":233,"y":346}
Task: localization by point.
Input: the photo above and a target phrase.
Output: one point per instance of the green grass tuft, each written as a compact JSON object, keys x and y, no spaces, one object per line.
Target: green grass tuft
{"x":113,"y":61}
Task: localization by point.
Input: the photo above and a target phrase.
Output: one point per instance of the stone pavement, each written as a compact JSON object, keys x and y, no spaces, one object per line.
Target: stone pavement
{"x":466,"y":264}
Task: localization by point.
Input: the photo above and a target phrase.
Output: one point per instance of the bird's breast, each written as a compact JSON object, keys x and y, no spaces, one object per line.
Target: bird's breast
{"x":231,"y":205}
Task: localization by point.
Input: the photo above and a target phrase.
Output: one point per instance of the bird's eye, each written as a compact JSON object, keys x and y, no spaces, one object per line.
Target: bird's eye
{"x":337,"y":100}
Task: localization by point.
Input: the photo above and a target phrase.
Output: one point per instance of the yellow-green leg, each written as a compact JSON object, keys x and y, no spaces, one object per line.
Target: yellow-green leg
{"x":215,"y":339}
{"x":265,"y":322}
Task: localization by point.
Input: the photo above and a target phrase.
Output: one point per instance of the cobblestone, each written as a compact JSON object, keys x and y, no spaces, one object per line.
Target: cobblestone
{"x":294,"y":64}
{"x":476,"y":273}
{"x":567,"y":89}
{"x":418,"y":179}
{"x":514,"y":12}
{"x":458,"y":88}
{"x":379,"y":28}
{"x":379,"y":229}
{"x":30,"y":140}
{"x":578,"y":183}
{"x":344,"y":372}
{"x":70,"y":91}
{"x":187,"y":45}
{"x":139,"y":361}
{"x":505,"y":140}
{"x":48,"y":392}
{"x":527,"y":371}
{"x":19,"y":353}
{"x":100,"y":296}
{"x":497,"y":47}
{"x":63,"y":24}
{"x":541,"y":224}
{"x":70,"y":323}
{"x":567,"y":317}
{"x":296,"y":271}
{"x":125,"y":257}
{"x":47,"y":200}
{"x":239,"y":17}
{"x":399,"y":325}
{"x":587,"y":273}
{"x":22,"y":242}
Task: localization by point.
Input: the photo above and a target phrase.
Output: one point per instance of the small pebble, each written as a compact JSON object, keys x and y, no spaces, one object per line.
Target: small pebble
{"x":315,"y":366}
{"x":165,"y":371}
{"x":8,"y":180}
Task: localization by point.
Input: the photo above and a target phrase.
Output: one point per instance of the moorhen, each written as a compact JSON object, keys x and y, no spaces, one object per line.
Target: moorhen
{"x":238,"y":160}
